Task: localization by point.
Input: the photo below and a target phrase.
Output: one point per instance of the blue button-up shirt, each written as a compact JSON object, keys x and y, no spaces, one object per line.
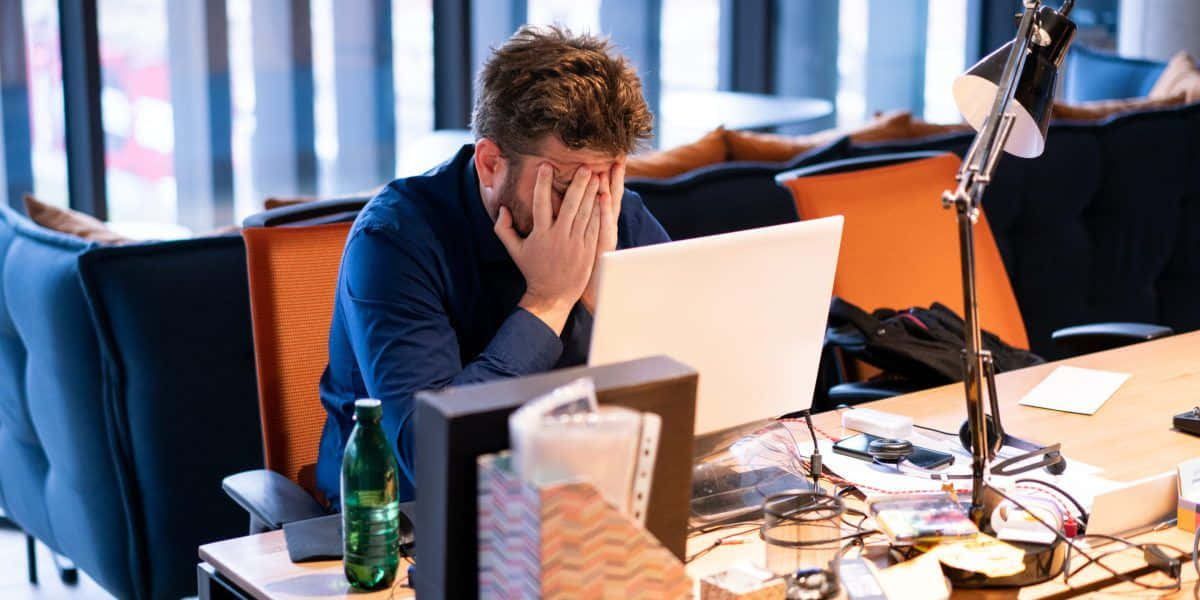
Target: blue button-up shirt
{"x":427,"y":298}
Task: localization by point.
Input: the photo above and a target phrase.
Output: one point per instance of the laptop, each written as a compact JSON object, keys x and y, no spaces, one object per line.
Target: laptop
{"x":747,"y":310}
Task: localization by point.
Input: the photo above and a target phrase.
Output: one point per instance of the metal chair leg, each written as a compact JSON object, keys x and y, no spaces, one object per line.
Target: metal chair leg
{"x":31,"y":558}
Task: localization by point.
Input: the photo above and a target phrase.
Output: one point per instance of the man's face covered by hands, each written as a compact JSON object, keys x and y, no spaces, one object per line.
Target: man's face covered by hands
{"x":520,"y":183}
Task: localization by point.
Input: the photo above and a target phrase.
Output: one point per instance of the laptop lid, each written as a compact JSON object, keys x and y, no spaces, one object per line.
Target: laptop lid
{"x":747,"y":310}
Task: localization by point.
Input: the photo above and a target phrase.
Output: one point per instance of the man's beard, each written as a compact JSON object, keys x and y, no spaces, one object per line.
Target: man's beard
{"x":520,"y":211}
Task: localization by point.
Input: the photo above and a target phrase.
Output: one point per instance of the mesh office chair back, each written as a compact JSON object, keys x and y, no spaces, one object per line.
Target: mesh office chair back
{"x":899,"y":246}
{"x":293,"y":278}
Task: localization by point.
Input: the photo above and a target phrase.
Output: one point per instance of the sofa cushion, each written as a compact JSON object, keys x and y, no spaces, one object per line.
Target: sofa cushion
{"x":770,"y":147}
{"x":707,"y":150}
{"x":71,"y":222}
{"x":727,"y":197}
{"x":1096,"y":110}
{"x":1094,"y":75}
{"x":1180,"y":77}
{"x":61,"y":484}
{"x":176,"y":348}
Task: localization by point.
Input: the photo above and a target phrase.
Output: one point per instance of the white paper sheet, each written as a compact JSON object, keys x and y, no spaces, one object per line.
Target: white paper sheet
{"x":1074,"y":389}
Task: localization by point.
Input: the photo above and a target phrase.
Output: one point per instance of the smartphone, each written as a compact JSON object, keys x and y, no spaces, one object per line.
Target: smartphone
{"x":856,"y":446}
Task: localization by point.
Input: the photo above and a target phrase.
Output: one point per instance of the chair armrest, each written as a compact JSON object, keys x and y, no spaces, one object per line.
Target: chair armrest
{"x":1095,"y":337}
{"x":857,"y":392}
{"x":271,"y":498}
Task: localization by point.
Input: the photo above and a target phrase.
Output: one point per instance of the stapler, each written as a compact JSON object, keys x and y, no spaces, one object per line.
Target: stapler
{"x":1188,"y":422}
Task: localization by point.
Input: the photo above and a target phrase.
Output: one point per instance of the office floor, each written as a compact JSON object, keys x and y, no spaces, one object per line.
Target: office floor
{"x":14,"y":581}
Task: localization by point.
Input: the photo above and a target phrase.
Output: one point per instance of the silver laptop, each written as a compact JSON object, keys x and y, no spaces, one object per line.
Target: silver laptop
{"x":747,"y":310}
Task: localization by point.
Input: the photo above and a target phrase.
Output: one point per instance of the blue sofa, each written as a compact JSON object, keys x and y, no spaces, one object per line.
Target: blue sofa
{"x":127,"y":391}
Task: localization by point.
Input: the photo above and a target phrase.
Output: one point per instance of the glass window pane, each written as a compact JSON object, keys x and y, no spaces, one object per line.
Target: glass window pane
{"x":578,"y":15}
{"x":241,"y":83}
{"x":412,"y":74}
{"x":945,"y":58}
{"x":135,"y":101}
{"x":852,"y":62}
{"x":689,"y":44}
{"x":325,"y":137}
{"x":47,"y":127}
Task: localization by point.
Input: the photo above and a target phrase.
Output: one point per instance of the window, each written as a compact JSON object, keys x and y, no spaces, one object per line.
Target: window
{"x":135,"y":101}
{"x":689,"y":44}
{"x":852,"y":61}
{"x":47,"y":127}
{"x":945,"y":58}
{"x":412,"y":74}
{"x":578,"y":15}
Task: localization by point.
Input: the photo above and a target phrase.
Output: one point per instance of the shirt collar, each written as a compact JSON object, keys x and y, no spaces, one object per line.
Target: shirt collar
{"x":482,"y":226}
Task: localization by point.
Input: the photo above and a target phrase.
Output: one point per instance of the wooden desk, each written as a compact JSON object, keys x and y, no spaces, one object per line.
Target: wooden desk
{"x":258,"y":565}
{"x":686,"y":115}
{"x":1130,"y":437}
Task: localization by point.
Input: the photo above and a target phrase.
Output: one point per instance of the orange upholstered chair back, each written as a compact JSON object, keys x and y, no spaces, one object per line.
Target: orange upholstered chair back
{"x":293,"y":278}
{"x":900,"y":247}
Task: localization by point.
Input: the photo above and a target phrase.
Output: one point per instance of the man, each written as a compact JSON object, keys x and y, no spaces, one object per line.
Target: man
{"x":484,"y":267}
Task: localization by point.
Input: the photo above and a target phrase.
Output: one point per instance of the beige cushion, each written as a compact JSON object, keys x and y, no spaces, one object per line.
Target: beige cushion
{"x":1180,"y":77}
{"x":1095,"y":110}
{"x":705,"y":151}
{"x":893,"y":125}
{"x":72,"y":222}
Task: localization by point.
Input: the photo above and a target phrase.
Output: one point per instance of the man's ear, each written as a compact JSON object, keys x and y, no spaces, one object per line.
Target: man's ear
{"x":489,"y":164}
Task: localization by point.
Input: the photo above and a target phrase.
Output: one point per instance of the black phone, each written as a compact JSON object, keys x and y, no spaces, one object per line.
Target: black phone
{"x":856,"y":446}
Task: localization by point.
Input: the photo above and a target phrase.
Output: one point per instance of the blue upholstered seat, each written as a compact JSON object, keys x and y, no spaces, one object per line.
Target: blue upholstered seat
{"x":1094,"y":75}
{"x":127,"y":391}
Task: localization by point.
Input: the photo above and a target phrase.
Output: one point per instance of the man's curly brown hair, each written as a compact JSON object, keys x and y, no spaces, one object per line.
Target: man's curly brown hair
{"x":546,"y":80}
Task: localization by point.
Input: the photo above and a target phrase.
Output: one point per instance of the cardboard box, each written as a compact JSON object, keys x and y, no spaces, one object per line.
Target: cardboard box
{"x":1189,"y":495}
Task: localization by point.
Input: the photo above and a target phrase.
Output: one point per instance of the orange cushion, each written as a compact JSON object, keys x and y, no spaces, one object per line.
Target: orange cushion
{"x":705,"y":151}
{"x":893,"y":125}
{"x":72,"y":222}
{"x":1180,"y":77}
{"x":272,"y":203}
{"x":900,"y":247}
{"x":1099,"y":109}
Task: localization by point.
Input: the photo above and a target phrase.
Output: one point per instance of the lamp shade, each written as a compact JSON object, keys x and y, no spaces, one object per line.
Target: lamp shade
{"x":975,"y":91}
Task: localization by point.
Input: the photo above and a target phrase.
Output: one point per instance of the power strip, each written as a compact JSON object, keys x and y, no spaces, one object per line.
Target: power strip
{"x":877,"y":423}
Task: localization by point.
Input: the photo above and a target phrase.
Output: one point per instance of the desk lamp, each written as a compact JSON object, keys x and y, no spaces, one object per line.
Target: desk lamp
{"x":1007,"y":97}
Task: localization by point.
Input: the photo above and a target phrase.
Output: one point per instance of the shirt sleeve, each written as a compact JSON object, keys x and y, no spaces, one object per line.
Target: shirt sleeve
{"x":402,"y":338}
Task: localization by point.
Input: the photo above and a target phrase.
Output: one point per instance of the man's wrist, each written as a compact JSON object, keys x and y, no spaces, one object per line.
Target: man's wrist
{"x":553,"y":312}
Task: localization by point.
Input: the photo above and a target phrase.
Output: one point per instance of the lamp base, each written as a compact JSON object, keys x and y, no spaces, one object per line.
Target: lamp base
{"x":1042,"y":563}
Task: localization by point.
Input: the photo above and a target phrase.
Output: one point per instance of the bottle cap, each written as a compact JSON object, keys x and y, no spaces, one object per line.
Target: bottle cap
{"x":367,"y":408}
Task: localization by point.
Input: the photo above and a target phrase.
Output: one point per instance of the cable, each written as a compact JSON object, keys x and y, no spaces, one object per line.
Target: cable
{"x":1196,"y":559}
{"x":720,"y":540}
{"x":935,"y":430}
{"x":1071,"y":546}
{"x":1083,"y":514}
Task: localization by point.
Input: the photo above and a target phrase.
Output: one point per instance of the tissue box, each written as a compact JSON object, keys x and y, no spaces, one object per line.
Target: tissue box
{"x":565,"y":540}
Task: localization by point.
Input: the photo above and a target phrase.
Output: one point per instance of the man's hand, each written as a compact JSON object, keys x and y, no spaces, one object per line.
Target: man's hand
{"x":557,"y":256}
{"x":612,"y":188}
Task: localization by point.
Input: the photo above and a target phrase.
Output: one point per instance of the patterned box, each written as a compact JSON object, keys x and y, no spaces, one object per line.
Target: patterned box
{"x":565,"y":541}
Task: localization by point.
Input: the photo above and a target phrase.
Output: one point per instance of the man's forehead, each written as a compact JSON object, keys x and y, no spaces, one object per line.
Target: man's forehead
{"x":566,"y":160}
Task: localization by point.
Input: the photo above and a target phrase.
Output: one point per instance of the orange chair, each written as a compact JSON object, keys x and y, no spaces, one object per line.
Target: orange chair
{"x":293,"y":278}
{"x":899,"y":246}
{"x":293,"y":273}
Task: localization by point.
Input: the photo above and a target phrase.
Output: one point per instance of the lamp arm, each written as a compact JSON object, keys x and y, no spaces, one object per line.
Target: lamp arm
{"x":973,"y":176}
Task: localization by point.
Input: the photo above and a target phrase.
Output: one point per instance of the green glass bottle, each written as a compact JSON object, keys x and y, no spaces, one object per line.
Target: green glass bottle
{"x":370,"y":507}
